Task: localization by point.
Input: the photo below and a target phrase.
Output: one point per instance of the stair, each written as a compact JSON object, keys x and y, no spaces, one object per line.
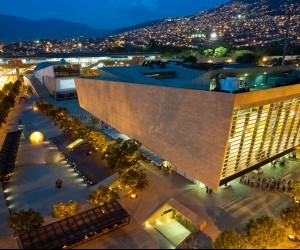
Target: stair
{"x":39,"y":88}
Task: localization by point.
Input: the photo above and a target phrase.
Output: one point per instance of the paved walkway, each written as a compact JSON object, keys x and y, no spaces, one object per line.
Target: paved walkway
{"x":222,"y":210}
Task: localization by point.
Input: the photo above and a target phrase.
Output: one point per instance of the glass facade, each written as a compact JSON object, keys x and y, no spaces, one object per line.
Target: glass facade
{"x":260,"y":132}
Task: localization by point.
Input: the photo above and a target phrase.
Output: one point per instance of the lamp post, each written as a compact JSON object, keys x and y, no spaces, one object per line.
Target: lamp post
{"x":289,"y":12}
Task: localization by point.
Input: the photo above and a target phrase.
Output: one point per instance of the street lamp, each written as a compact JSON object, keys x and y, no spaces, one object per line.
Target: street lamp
{"x":79,"y":46}
{"x":213,"y":36}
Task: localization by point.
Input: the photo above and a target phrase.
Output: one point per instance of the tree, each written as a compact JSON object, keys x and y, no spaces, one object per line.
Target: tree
{"x":102,"y":195}
{"x":62,"y":210}
{"x":263,"y":232}
{"x":208,"y":52}
{"x":134,"y":179}
{"x":245,"y":56}
{"x":25,"y":221}
{"x":291,"y":218}
{"x":229,"y":239}
{"x":122,"y":155}
{"x":220,"y":52}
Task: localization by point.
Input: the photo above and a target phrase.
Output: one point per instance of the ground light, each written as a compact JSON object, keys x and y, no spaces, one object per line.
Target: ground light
{"x":34,"y":107}
{"x":133,"y":196}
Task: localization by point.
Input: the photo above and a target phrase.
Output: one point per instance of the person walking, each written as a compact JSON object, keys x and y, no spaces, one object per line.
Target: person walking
{"x":252,"y":181}
{"x":278,"y":183}
{"x":258,"y":182}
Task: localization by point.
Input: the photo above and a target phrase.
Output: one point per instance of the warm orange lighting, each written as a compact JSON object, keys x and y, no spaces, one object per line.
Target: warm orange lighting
{"x":36,"y":137}
{"x":133,"y":196}
{"x":34,"y":107}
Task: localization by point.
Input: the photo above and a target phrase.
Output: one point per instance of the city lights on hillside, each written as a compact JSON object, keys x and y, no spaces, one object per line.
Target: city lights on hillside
{"x":213,"y":36}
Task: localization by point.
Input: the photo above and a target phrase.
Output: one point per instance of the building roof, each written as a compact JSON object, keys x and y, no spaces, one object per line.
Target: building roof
{"x":42,"y":65}
{"x":72,"y":230}
{"x":46,"y":64}
{"x":168,"y":75}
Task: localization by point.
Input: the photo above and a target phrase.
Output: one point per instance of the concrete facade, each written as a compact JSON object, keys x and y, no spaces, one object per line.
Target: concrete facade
{"x":209,"y":137}
{"x":188,"y":128}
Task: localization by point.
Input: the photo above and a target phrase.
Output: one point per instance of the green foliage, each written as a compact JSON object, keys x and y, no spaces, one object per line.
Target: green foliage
{"x":220,"y":52}
{"x":229,"y":239}
{"x":134,"y":179}
{"x":7,"y":87}
{"x":102,"y":195}
{"x":291,"y":218}
{"x":245,"y":57}
{"x":25,"y":221}
{"x":122,"y":155}
{"x":62,"y":210}
{"x":208,"y":52}
{"x":263,"y":232}
{"x":7,"y":99}
{"x":70,"y":124}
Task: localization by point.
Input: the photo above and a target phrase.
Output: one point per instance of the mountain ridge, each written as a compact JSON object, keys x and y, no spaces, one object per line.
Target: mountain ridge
{"x":14,"y":28}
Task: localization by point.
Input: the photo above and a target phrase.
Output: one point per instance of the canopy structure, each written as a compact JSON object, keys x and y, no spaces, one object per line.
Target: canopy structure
{"x":146,"y":152}
{"x":8,"y":154}
{"x":76,"y":229}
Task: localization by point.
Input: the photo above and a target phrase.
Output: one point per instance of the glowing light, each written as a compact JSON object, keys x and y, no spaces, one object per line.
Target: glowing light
{"x":158,"y":222}
{"x":147,"y":224}
{"x":9,"y":198}
{"x":133,"y":196}
{"x":7,"y":190}
{"x":74,"y":143}
{"x":246,"y":74}
{"x":36,"y":137}
{"x":213,"y":36}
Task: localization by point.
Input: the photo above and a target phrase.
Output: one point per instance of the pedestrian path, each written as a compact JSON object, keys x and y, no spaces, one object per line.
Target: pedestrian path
{"x":223,"y":209}
{"x":146,"y":152}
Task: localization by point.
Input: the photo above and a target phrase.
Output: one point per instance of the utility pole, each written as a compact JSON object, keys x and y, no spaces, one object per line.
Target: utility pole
{"x":289,"y":13}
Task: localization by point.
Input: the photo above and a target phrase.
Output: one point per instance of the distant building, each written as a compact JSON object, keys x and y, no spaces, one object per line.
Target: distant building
{"x":58,"y":78}
{"x":85,"y":59}
{"x":210,"y":135}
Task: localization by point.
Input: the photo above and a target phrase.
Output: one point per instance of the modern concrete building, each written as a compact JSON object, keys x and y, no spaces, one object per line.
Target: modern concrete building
{"x":209,"y":134}
{"x":58,"y":78}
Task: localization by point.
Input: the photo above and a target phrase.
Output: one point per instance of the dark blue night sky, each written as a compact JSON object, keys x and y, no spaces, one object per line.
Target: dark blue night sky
{"x":105,"y":13}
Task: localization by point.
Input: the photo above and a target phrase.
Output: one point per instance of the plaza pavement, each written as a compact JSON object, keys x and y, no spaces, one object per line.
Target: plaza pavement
{"x":33,"y":186}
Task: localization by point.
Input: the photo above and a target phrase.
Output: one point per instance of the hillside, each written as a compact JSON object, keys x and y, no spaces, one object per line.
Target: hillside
{"x":240,"y":22}
{"x":22,"y":29}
